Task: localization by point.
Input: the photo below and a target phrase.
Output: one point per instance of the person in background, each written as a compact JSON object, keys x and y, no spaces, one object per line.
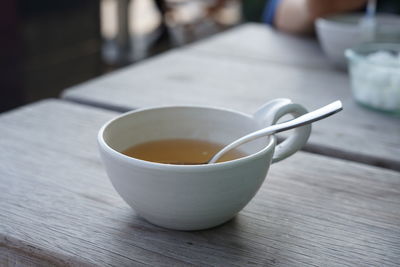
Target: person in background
{"x":298,"y":16}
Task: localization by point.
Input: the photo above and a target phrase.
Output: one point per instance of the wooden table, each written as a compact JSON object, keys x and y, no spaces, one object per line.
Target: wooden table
{"x":57,"y":207}
{"x":257,"y":42}
{"x":242,"y":69}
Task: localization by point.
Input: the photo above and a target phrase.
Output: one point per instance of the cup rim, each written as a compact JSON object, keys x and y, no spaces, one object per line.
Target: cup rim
{"x":337,"y":19}
{"x":155,"y":165}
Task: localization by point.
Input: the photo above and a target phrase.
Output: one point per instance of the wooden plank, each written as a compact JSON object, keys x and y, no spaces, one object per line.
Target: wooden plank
{"x":184,"y":77}
{"x":259,"y":42}
{"x":56,"y":204}
{"x":10,"y":257}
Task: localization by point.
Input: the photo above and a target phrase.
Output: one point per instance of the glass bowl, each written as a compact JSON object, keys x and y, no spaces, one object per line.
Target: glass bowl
{"x":375,"y":75}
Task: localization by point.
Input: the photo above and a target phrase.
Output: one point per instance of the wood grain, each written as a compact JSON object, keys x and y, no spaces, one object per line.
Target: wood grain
{"x":256,"y":42}
{"x":186,"y":78}
{"x":58,"y":207}
{"x":10,"y":257}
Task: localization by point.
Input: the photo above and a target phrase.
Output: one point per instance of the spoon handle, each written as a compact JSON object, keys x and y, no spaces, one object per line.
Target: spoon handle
{"x":310,"y":117}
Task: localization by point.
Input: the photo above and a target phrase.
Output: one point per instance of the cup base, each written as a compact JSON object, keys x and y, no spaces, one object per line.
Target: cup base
{"x":188,"y":227}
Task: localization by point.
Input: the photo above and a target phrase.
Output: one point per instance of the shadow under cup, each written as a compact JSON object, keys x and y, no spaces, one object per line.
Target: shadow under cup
{"x":185,"y":197}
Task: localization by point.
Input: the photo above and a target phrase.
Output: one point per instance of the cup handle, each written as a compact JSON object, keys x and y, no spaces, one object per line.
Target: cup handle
{"x":271,"y":112}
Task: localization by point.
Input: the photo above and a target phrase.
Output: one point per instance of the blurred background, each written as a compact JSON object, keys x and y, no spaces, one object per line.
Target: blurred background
{"x":47,"y":46}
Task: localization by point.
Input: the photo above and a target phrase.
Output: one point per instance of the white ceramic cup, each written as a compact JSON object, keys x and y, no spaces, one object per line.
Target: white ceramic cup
{"x":194,"y":197}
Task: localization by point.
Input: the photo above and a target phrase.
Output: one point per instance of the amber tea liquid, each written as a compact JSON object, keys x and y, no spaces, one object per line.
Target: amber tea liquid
{"x":180,"y":151}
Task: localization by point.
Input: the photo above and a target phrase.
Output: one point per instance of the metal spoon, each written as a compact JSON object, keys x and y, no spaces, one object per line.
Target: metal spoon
{"x":307,"y":118}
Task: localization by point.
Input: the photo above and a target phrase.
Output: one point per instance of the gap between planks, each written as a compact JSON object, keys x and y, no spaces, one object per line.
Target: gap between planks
{"x":311,"y":148}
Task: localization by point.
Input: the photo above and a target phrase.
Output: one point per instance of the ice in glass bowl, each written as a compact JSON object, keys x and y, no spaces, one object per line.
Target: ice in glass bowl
{"x":375,"y":75}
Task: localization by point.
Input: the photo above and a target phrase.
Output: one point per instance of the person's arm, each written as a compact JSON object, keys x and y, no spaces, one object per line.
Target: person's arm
{"x":298,"y":16}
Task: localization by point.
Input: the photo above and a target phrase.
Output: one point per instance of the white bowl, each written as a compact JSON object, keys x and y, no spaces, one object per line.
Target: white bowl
{"x":340,"y":32}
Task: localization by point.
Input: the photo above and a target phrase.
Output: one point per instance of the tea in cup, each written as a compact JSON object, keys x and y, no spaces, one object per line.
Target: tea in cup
{"x":173,"y":189}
